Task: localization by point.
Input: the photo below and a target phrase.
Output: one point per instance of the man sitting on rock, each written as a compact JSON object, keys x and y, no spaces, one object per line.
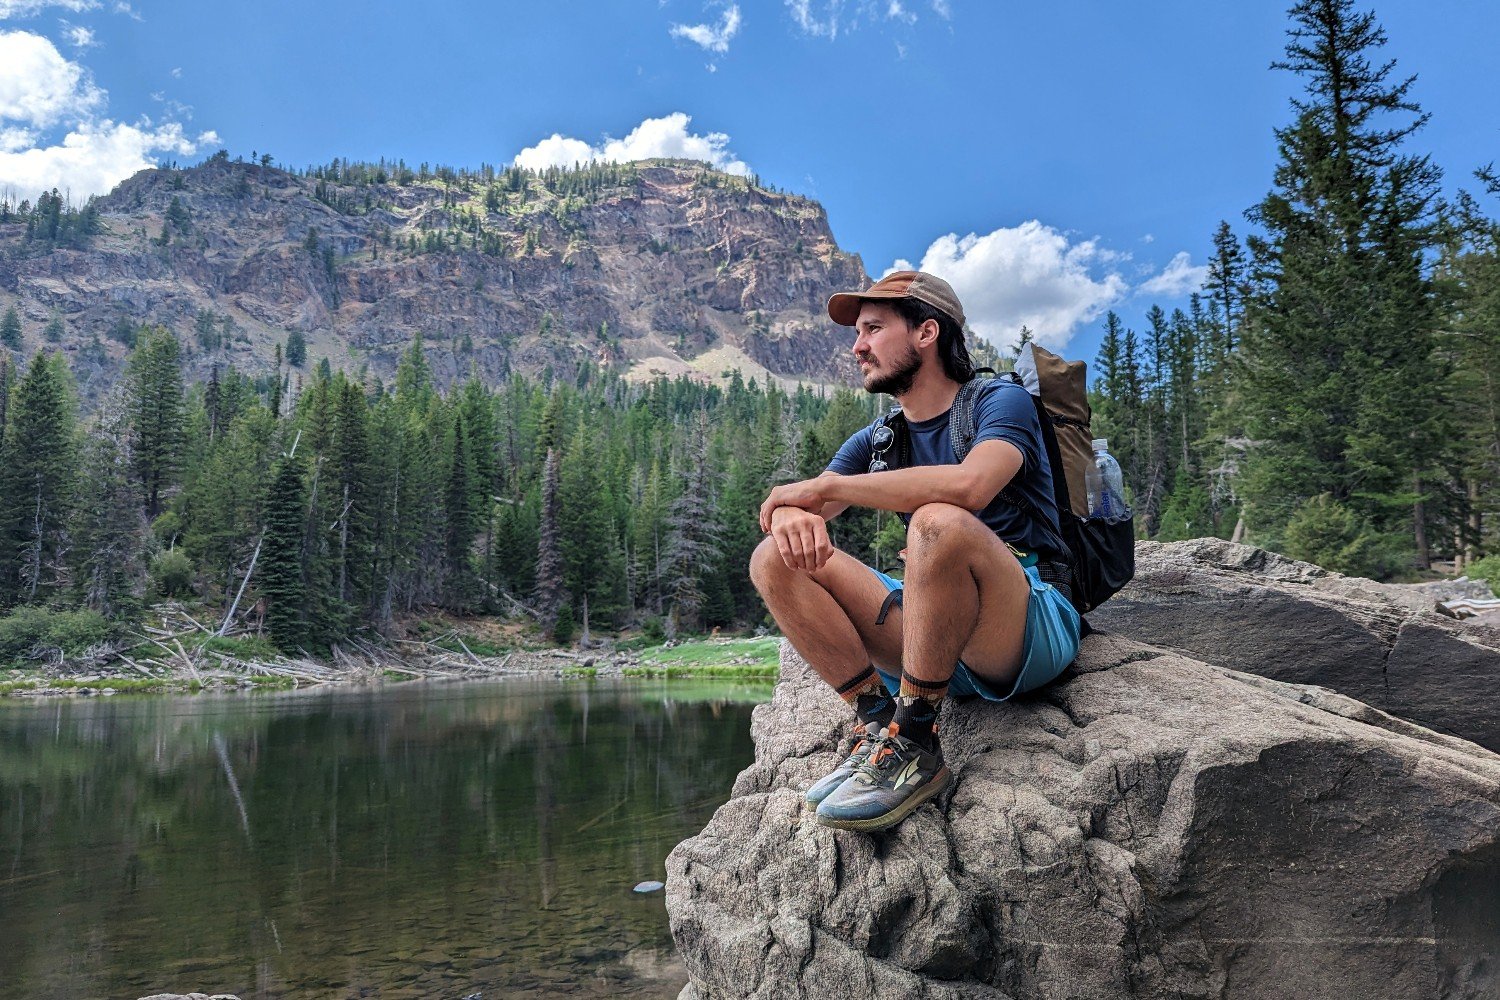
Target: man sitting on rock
{"x":976,"y":614}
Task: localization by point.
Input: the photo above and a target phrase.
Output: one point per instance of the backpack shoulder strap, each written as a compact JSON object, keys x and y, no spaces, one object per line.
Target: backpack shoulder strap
{"x":961,"y":428}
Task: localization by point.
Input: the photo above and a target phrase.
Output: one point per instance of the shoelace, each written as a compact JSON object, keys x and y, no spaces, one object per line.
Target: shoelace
{"x":887,"y":744}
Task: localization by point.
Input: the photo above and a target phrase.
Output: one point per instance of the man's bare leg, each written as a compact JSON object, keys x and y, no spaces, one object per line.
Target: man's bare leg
{"x":965,"y":598}
{"x":829,"y":615}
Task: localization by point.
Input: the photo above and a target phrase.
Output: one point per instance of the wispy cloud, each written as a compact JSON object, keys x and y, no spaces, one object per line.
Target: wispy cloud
{"x":30,"y":8}
{"x":1178,"y":278}
{"x":831,"y":18}
{"x":710,"y":37}
{"x":78,"y":36}
{"x":666,"y":137}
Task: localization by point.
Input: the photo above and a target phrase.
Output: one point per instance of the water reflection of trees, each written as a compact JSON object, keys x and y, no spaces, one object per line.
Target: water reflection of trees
{"x":411,"y":836}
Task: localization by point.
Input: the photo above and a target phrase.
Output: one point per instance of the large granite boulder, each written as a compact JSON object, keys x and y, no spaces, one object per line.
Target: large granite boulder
{"x":1149,"y":826}
{"x":1251,"y":610}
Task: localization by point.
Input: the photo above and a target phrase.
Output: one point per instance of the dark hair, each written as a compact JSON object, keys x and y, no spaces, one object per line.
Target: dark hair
{"x":952,"y":350}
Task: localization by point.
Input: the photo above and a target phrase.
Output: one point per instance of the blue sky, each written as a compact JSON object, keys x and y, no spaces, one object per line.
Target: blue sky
{"x":1053,"y":160}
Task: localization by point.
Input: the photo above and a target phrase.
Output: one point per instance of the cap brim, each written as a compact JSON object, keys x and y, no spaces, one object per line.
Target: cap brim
{"x":843,"y":307}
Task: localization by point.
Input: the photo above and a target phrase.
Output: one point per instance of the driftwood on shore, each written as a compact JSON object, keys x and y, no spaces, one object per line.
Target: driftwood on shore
{"x":176,"y":650}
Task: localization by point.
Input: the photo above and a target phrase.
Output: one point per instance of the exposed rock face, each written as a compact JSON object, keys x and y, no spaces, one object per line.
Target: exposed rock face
{"x":651,"y":267}
{"x":1150,"y":826}
{"x":1252,"y":610}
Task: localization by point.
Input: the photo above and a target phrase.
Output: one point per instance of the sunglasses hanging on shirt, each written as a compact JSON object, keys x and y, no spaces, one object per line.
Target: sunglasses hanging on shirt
{"x":881,"y":439}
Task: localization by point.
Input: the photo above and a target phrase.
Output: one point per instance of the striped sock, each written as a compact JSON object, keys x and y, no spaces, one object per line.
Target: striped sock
{"x":917,"y":708}
{"x":866,"y":694}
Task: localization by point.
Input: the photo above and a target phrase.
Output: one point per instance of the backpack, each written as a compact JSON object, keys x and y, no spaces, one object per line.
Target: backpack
{"x":1101,"y":556}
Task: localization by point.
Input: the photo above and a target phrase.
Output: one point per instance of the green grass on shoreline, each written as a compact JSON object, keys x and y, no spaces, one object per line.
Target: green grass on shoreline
{"x":755,"y":658}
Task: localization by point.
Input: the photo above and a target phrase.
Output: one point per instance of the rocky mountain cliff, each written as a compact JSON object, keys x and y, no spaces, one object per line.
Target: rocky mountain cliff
{"x":659,"y":265}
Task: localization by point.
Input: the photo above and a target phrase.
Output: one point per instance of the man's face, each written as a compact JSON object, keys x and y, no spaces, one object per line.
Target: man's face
{"x":888,"y":358}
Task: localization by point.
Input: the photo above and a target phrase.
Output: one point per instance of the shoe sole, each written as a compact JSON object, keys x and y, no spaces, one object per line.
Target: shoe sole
{"x":875,"y":823}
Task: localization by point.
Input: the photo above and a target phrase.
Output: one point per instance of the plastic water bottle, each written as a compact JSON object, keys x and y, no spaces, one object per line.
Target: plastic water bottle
{"x":1105,"y":485}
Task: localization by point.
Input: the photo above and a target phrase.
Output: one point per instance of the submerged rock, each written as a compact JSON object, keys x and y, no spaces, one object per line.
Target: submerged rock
{"x":1150,"y":826}
{"x":1252,"y":610}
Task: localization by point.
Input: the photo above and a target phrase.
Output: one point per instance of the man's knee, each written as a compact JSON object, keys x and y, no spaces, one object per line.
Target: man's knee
{"x":938,"y":527}
{"x":766,"y":565}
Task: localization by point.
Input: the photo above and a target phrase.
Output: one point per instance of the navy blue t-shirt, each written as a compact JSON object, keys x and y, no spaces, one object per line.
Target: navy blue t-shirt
{"x":1003,"y":411}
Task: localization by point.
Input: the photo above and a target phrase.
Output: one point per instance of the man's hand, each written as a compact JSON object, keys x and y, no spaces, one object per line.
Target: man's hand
{"x":801,"y":538}
{"x":807,"y":495}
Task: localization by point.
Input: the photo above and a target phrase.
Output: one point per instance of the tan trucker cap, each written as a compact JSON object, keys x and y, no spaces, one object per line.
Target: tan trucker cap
{"x":843,"y":307}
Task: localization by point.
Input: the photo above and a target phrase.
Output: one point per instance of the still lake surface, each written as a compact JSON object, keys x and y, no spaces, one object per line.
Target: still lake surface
{"x":414,"y":840}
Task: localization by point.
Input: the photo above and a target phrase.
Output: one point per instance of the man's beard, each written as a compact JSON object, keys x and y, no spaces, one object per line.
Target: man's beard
{"x":898,"y":381}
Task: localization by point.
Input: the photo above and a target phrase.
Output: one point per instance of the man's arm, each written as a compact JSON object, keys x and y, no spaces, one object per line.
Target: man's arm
{"x":970,"y":485}
{"x":802,"y":535}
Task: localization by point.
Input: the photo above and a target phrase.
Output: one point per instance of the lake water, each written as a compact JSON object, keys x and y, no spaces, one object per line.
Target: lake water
{"x":405,"y":841}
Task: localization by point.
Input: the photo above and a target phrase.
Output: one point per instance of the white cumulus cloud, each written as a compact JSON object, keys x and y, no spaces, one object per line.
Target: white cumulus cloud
{"x":42,"y":94}
{"x":1178,"y":278}
{"x":712,"y":38}
{"x":38,"y":86}
{"x":94,"y":157}
{"x":1029,"y":275}
{"x":667,"y":136}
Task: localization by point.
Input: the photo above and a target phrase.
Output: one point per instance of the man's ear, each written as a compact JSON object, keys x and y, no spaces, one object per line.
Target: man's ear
{"x":928,"y":332}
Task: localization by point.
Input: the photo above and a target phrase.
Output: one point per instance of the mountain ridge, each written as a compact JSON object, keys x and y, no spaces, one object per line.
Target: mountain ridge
{"x":665,"y":266}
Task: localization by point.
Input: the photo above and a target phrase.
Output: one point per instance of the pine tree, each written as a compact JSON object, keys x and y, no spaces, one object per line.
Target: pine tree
{"x":459,"y":511}
{"x":296,"y":349}
{"x":350,"y":470}
{"x":10,"y":329}
{"x":692,"y":548}
{"x":593,"y":567}
{"x":279,"y":574}
{"x":551,"y":589}
{"x":156,"y":414}
{"x":37,"y":483}
{"x":111,"y":531}
{"x":1340,"y":324}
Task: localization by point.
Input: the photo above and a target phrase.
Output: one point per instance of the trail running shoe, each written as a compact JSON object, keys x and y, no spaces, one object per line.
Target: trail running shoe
{"x":896,"y":778}
{"x":865,"y":736}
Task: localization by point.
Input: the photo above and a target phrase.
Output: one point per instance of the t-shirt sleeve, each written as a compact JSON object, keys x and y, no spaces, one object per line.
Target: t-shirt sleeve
{"x":853,"y":458}
{"x":1006,"y":413}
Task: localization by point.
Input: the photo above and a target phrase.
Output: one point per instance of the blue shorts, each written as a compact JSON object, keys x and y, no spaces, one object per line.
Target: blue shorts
{"x":1051,"y":643}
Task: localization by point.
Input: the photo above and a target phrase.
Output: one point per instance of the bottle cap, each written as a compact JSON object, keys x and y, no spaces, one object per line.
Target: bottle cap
{"x":1101,"y":444}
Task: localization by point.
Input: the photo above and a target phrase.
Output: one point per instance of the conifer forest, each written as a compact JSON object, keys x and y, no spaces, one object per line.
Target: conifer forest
{"x":1332,"y":392}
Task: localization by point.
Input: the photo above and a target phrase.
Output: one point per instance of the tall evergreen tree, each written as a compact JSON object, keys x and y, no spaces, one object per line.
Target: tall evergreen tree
{"x":551,"y":588}
{"x":1340,"y":325}
{"x":156,"y":414}
{"x":37,"y":483}
{"x":459,"y":515}
{"x":111,"y":531}
{"x":280,"y":573}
